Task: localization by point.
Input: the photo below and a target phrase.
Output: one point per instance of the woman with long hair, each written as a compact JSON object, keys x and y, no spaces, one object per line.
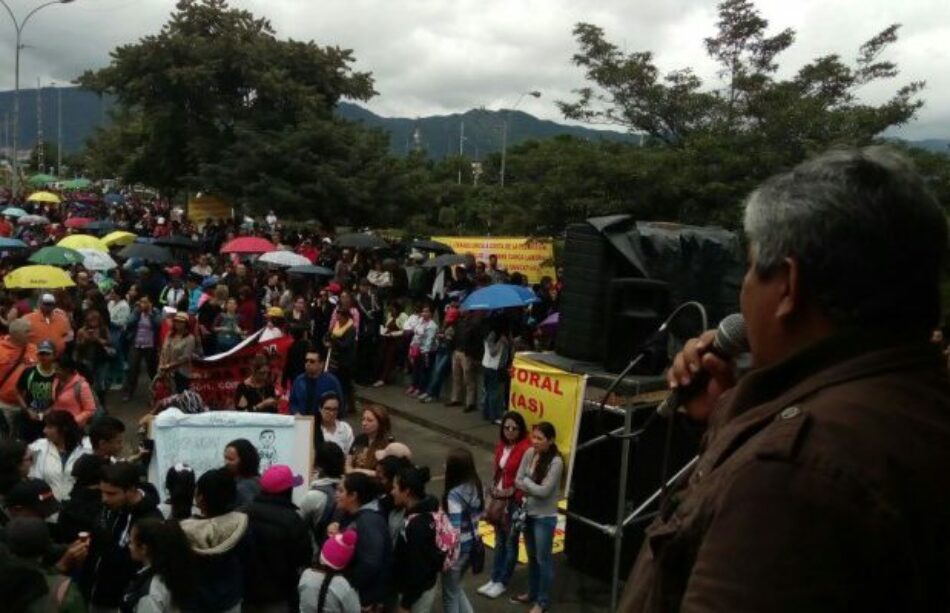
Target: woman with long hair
{"x":243,"y":463}
{"x":372,"y":560}
{"x":179,"y":350}
{"x":227,"y":327}
{"x":167,"y":579}
{"x":257,"y":393}
{"x":463,"y":501}
{"x":180,"y":485}
{"x":513,"y":443}
{"x":341,"y":344}
{"x":539,"y":478}
{"x":55,"y":453}
{"x":376,"y":434}
{"x":417,"y":560}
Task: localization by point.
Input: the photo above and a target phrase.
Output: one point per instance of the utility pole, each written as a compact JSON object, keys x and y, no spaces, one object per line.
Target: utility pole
{"x":40,"y":154}
{"x":461,"y":148}
{"x":59,"y":133}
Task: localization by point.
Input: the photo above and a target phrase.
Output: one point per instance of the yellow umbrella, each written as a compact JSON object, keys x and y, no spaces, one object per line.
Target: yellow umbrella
{"x":49,"y":197}
{"x":118,"y":238}
{"x":83,"y":241}
{"x":38,"y":277}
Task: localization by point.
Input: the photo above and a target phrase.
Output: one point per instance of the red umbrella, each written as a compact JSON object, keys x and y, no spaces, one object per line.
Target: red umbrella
{"x":78,"y":222}
{"x":248,"y":244}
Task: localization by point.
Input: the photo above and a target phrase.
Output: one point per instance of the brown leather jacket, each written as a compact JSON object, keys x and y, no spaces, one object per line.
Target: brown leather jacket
{"x":823,"y":485}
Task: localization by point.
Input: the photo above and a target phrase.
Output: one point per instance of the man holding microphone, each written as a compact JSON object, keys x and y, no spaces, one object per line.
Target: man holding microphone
{"x":822,"y":482}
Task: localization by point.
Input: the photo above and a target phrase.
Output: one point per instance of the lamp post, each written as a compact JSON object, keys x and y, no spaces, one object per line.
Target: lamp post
{"x":504,"y":132}
{"x":19,"y":25}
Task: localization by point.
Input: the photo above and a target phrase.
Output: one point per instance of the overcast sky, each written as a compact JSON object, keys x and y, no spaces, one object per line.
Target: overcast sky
{"x":445,"y":56}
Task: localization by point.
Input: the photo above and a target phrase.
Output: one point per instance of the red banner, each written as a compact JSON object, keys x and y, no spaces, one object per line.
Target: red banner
{"x":216,"y":377}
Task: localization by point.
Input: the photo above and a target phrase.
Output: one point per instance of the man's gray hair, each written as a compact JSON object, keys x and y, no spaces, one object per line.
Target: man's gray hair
{"x":20,"y":327}
{"x":868,"y":235}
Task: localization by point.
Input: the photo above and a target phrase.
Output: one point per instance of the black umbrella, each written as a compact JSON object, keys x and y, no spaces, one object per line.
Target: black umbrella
{"x":102,"y":225}
{"x":450,"y":259}
{"x":306,"y":269}
{"x":433,"y":246}
{"x":361,"y":240}
{"x":177,"y":241}
{"x":150,"y":253}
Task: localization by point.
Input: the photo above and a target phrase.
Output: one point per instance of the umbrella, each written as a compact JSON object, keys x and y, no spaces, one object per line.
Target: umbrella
{"x":114,"y":199}
{"x":433,"y":246}
{"x":450,"y":259}
{"x":48,"y":197}
{"x":13,"y":212}
{"x":151,"y":253}
{"x":78,"y":222}
{"x":177,"y":241}
{"x":102,"y":225}
{"x":77,"y":184}
{"x":284,"y":258}
{"x":41,"y":179}
{"x":118,"y":238}
{"x":83,"y":241}
{"x":56,"y":256}
{"x":33,"y":220}
{"x":500,"y":296}
{"x":38,"y":277}
{"x":9,"y":244}
{"x":550,"y":323}
{"x":97,"y":260}
{"x":361,"y":240}
{"x":248,"y":244}
{"x":310,"y":269}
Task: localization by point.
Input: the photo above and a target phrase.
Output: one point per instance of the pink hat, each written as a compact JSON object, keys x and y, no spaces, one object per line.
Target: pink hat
{"x":279,"y":478}
{"x":338,"y":551}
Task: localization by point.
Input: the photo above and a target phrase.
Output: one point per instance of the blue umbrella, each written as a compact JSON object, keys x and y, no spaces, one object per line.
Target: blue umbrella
{"x":500,"y":296}
{"x":8,"y":244}
{"x":13,"y":212}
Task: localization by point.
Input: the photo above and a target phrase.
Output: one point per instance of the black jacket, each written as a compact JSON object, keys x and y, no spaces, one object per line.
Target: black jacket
{"x":282,"y":549}
{"x":370,"y":571}
{"x":109,"y":567}
{"x":223,"y":550}
{"x":79,"y":513}
{"x":417,"y":561}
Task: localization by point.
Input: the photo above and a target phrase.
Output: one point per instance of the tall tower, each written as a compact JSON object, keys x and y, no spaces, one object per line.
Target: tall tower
{"x":40,"y":158}
{"x":416,"y":139}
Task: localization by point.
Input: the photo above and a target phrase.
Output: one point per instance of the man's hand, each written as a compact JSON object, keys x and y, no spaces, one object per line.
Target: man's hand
{"x":696,"y":357}
{"x":74,"y":557}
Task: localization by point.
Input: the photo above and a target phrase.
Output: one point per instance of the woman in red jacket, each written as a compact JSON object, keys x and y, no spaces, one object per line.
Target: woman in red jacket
{"x":512,"y":444}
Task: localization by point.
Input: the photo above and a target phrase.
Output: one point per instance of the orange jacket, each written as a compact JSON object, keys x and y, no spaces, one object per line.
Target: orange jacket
{"x":56,"y":329}
{"x":14,"y":359}
{"x":81,"y":403}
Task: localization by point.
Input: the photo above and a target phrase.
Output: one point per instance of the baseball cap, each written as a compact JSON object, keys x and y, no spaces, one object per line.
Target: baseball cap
{"x":34,"y":494}
{"x":48,"y":299}
{"x":46,"y":347}
{"x":169,"y":310}
{"x":174,"y":271}
{"x":275,"y":312}
{"x":337,"y":552}
{"x":279,"y":478}
{"x":181,"y":316}
{"x":397,"y":450}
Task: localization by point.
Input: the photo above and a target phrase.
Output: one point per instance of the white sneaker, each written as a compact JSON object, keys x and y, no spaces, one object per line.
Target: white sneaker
{"x":486,"y":587}
{"x":496,"y":590}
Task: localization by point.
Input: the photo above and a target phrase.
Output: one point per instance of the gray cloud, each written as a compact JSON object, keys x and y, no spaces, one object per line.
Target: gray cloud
{"x":445,"y":56}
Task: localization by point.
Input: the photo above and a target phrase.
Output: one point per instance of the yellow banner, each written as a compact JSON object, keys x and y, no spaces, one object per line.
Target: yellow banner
{"x":532,"y":257}
{"x":544,"y":393}
{"x":201,"y":208}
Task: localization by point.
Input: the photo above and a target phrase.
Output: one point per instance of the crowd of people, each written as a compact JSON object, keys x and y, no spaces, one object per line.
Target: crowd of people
{"x":84,"y":530}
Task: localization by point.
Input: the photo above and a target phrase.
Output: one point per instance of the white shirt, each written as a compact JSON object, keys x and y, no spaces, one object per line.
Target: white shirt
{"x":342,"y":436}
{"x":48,"y":466}
{"x":119,"y":312}
{"x":270,"y":333}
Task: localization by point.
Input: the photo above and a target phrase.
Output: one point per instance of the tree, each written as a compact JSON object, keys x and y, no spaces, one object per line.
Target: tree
{"x":215,"y":102}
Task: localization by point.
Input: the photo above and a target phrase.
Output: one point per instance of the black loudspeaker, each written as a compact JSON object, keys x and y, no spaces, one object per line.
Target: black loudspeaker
{"x":596,"y":479}
{"x":635,"y":309}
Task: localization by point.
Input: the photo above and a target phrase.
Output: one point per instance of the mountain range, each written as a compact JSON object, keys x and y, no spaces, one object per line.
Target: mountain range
{"x":479,"y":131}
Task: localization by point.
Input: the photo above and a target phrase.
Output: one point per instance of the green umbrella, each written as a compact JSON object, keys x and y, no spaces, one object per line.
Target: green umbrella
{"x":77,"y":184}
{"x":57,"y":256}
{"x":41,"y":179}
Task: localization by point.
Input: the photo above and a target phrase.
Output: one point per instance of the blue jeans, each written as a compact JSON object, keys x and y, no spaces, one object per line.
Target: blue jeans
{"x":443,"y":366}
{"x":421,"y":367}
{"x":492,"y":408}
{"x":539,"y":541}
{"x":454,"y":599}
{"x":506,"y":552}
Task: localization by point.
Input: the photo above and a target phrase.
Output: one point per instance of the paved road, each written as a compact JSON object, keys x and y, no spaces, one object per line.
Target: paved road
{"x":573,"y":591}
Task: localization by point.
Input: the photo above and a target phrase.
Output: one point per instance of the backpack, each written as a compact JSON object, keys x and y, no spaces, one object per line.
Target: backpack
{"x":319,"y":527}
{"x":447,"y":538}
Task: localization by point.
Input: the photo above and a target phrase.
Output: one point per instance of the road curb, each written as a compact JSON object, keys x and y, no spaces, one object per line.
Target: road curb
{"x":431,"y":425}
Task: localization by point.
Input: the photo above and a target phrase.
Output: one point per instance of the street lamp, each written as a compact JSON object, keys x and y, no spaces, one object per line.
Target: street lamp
{"x":19,"y":25}
{"x":504,"y":131}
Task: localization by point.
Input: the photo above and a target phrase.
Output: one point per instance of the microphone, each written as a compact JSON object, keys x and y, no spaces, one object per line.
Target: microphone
{"x":730,"y":341}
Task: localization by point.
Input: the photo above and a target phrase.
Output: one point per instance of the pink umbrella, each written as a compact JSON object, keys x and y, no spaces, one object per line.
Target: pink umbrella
{"x":78,"y":222}
{"x":249,"y":244}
